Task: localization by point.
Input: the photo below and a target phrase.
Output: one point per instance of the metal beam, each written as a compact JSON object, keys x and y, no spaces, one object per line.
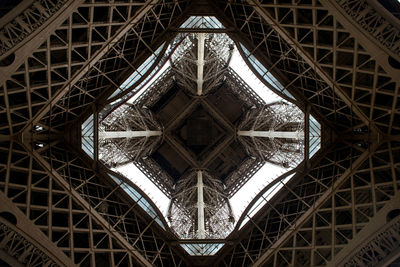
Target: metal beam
{"x":373,"y":228}
{"x":27,"y":45}
{"x":128,"y":134}
{"x":217,"y":115}
{"x":9,"y":259}
{"x":202,"y":30}
{"x":30,"y":231}
{"x":182,"y":151}
{"x":200,"y":62}
{"x":273,"y":134}
{"x":189,"y":107}
{"x":201,"y":231}
{"x":376,"y":48}
{"x":227,"y":141}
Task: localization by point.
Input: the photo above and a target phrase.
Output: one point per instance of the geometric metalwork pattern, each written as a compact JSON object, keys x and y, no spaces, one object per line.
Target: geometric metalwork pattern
{"x":274,"y":133}
{"x":16,"y":246}
{"x":376,"y":251}
{"x":337,"y":60}
{"x":215,"y":221}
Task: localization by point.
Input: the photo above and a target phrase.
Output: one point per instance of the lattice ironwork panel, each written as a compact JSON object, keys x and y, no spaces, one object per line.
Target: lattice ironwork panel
{"x":306,"y":45}
{"x":89,"y":52}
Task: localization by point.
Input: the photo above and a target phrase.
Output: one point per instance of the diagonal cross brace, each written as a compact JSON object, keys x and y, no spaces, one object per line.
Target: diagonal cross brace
{"x":90,"y":63}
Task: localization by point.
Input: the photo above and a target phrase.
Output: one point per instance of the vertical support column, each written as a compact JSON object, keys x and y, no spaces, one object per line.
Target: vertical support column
{"x":200,"y":62}
{"x":201,"y":231}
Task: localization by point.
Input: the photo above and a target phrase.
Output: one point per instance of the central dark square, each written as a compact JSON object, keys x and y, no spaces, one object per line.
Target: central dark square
{"x":199,"y":131}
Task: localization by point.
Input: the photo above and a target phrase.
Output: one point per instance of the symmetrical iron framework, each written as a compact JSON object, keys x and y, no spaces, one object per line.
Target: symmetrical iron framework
{"x":274,"y":133}
{"x":200,"y":209}
{"x":127,"y":134}
{"x":60,"y":61}
{"x":199,"y":74}
{"x":201,"y":60}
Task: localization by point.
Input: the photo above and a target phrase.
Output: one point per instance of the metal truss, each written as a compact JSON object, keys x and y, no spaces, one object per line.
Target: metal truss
{"x":240,"y":88}
{"x":157,"y":89}
{"x":381,"y":25}
{"x":245,"y":171}
{"x":156,"y":174}
{"x":86,"y":216}
{"x":127,"y":134}
{"x":22,"y":242}
{"x":24,"y":29}
{"x":165,"y":82}
{"x":142,"y":78}
{"x":14,"y":246}
{"x":318,"y":215}
{"x":378,"y":249}
{"x":337,"y":57}
{"x":274,"y":133}
{"x":199,"y":208}
{"x":28,"y":19}
{"x":310,"y":47}
{"x":92,"y":51}
{"x":376,"y":244}
{"x":201,"y":60}
{"x":293,"y":21}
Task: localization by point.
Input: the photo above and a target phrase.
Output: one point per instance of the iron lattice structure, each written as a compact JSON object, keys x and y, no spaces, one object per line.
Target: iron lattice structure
{"x":60,"y":60}
{"x":120,"y":150}
{"x":274,"y":133}
{"x":201,"y":60}
{"x":199,"y":64}
{"x":184,"y":209}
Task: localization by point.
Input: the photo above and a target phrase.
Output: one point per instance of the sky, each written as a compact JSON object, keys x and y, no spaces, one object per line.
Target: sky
{"x":240,"y":199}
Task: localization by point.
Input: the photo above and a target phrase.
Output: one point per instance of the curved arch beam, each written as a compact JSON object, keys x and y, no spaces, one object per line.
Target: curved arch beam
{"x":371,"y":233}
{"x":29,"y":231}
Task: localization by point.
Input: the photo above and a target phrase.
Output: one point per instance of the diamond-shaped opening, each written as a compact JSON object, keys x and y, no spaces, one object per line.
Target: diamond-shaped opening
{"x":199,"y":132}
{"x":203,"y":114}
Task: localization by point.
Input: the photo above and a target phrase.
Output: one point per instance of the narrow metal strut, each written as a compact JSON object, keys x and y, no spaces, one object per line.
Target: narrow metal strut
{"x":273,"y":134}
{"x":128,"y":134}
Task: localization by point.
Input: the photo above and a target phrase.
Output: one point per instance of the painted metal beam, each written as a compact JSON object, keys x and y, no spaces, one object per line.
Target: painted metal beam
{"x":368,"y":38}
{"x":273,"y":134}
{"x":182,"y":151}
{"x":128,"y":134}
{"x":28,"y":44}
{"x":374,"y":228}
{"x":200,"y":62}
{"x":29,"y":230}
{"x":201,"y":230}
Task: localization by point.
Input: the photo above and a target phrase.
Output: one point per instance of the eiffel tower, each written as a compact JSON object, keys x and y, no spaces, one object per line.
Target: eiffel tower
{"x":69,"y":70}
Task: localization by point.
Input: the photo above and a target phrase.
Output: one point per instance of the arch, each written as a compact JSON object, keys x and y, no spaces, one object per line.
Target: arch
{"x":392,"y":214}
{"x":7,"y":61}
{"x":394,"y":63}
{"x":8,"y":216}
